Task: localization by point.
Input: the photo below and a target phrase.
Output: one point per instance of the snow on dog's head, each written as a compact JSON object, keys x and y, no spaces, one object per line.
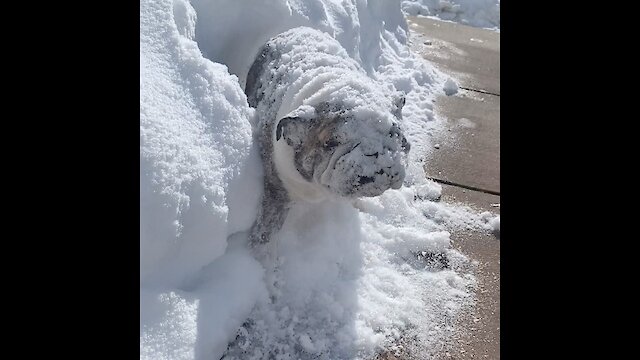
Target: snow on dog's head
{"x":349,"y":149}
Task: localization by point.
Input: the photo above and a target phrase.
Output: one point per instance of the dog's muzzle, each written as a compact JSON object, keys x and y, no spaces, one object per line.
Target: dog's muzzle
{"x":369,"y":169}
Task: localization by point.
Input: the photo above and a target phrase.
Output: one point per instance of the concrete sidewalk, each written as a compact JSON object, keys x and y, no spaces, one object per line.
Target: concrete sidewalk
{"x":468,"y":159}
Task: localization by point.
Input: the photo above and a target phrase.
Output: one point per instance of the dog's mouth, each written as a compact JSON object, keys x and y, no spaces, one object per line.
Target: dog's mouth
{"x":378,"y":183}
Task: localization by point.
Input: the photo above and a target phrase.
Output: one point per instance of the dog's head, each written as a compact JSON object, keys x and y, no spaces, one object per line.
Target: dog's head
{"x":350,"y":152}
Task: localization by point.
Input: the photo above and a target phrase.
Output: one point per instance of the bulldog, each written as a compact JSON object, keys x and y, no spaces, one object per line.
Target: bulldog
{"x":324,"y":127}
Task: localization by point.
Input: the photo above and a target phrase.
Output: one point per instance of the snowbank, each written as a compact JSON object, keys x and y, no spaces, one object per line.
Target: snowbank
{"x":341,"y":280}
{"x":199,"y":181}
{"x":478,"y":13}
{"x":198,"y":323}
{"x":195,"y":145}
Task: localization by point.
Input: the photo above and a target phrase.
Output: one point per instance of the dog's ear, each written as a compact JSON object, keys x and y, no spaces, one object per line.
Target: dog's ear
{"x":293,"y":130}
{"x":398,"y":102}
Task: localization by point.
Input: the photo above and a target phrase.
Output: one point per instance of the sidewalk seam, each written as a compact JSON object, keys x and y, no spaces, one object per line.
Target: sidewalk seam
{"x":468,"y":187}
{"x":480,"y":91}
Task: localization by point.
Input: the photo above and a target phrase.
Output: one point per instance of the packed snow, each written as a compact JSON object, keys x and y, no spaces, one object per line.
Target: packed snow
{"x":450,"y":87}
{"x":341,"y":279}
{"x":478,"y":13}
{"x":494,"y":224}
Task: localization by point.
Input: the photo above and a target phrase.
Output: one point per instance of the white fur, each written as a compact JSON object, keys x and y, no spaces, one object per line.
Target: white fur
{"x":297,"y":187}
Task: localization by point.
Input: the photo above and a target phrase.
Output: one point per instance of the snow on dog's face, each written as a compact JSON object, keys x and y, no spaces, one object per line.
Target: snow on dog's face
{"x":348,"y":154}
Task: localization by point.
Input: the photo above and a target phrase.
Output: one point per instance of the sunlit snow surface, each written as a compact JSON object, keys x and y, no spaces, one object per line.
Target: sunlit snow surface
{"x":341,"y":280}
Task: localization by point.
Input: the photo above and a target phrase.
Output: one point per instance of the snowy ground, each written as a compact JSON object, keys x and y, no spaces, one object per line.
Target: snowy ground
{"x":478,"y":13}
{"x":341,"y":280}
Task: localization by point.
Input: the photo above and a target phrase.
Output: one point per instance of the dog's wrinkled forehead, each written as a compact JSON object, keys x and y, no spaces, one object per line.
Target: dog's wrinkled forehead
{"x":345,"y":124}
{"x":331,"y":124}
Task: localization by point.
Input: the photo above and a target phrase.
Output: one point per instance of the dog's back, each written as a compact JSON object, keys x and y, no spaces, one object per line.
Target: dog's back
{"x":285,"y":58}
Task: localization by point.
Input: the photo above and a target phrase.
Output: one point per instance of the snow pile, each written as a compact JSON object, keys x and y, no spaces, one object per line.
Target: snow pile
{"x":341,"y":280}
{"x":198,"y":181}
{"x":199,"y":321}
{"x":346,"y":280}
{"x":478,"y":13}
{"x":195,"y":145}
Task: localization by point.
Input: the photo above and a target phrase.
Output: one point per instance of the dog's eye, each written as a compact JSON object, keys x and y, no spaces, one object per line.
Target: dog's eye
{"x":330,"y":144}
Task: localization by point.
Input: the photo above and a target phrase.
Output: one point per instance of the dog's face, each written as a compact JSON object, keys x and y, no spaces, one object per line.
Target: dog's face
{"x":350,"y":155}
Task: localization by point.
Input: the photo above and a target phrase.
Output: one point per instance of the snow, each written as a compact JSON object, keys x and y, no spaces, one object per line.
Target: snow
{"x":450,"y":87}
{"x":341,"y":280}
{"x":195,"y":145}
{"x":168,"y":323}
{"x":177,"y":324}
{"x":195,"y":150}
{"x":478,"y":13}
{"x":344,"y":281}
{"x":494,"y":224}
{"x":466,"y":123}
